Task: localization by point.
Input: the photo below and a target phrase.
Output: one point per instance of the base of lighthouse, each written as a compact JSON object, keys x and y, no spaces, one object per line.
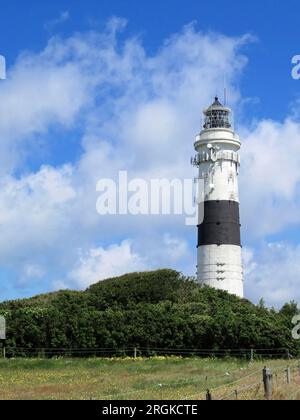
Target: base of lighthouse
{"x":220,"y":267}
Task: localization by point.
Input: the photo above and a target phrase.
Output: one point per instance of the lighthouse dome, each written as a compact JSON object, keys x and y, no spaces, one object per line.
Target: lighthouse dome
{"x":217,"y":116}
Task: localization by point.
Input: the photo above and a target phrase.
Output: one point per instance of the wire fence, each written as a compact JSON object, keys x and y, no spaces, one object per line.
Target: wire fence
{"x":202,"y":380}
{"x":44,"y":352}
{"x":224,"y":385}
{"x":249,"y":386}
{"x":282,"y":378}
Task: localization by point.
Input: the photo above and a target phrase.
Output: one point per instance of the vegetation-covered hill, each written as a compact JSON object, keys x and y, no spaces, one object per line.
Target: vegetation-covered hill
{"x":160,"y":309}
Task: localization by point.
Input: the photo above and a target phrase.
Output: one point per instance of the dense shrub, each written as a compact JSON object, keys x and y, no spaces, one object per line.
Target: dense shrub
{"x":160,"y":309}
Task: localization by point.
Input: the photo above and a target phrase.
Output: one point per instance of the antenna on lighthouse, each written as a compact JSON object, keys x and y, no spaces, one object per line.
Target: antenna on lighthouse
{"x":225,"y":91}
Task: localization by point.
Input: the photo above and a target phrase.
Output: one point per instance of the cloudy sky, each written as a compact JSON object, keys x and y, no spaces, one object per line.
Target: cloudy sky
{"x":96,"y":88}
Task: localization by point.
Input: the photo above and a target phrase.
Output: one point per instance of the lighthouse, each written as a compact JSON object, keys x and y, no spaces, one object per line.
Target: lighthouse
{"x":219,"y":238}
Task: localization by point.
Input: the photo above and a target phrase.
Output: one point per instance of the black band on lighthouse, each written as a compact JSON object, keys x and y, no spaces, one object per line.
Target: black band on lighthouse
{"x":221,"y":224}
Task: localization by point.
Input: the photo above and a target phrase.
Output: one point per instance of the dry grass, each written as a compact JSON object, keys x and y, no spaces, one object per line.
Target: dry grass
{"x":157,"y":378}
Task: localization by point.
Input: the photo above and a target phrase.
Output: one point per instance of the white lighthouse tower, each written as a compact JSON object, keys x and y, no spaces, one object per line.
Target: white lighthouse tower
{"x":219,"y":239}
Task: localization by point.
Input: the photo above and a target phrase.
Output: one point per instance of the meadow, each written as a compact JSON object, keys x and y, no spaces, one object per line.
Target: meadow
{"x":137,"y":379}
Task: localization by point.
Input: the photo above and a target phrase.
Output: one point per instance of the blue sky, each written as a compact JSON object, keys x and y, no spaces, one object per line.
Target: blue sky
{"x":273,"y":22}
{"x":82,"y":83}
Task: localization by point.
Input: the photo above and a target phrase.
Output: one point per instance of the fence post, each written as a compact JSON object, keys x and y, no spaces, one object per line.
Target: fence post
{"x":267,"y":379}
{"x":208,"y":395}
{"x":135,"y":353}
{"x":161,"y":391}
{"x":287,"y":354}
{"x":4,"y":353}
{"x":288,"y":375}
{"x":252,"y":356}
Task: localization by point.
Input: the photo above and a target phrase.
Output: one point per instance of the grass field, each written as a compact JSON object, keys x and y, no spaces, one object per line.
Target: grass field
{"x":157,"y":378}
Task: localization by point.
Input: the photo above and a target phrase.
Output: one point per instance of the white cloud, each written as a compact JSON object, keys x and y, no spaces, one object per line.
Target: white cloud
{"x":31,"y":273}
{"x":273,"y":273}
{"x":270,"y":177}
{"x":36,"y":95}
{"x":62,"y":18}
{"x":99,"y":264}
{"x":141,"y":113}
{"x":175,"y":248}
{"x":248,"y":261}
{"x":35,"y":215}
{"x":56,"y":88}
